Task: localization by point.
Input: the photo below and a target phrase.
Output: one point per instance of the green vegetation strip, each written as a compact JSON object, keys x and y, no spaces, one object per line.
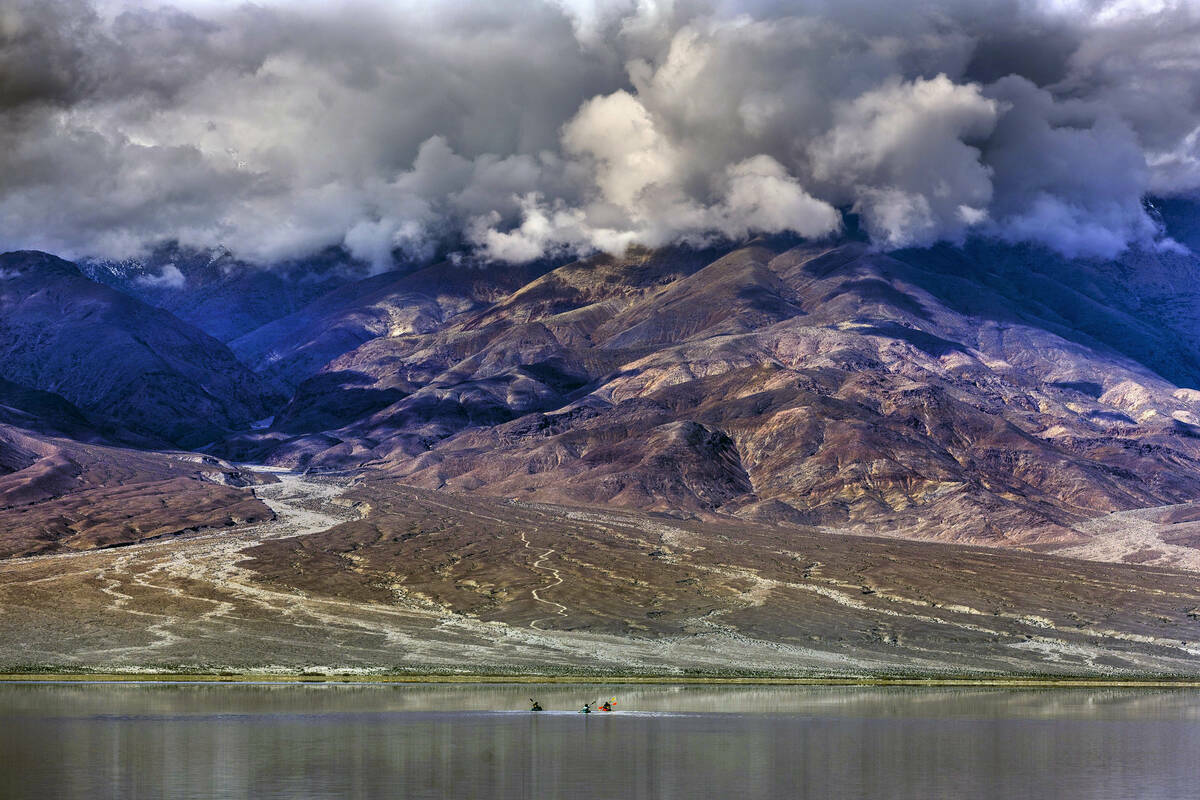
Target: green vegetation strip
{"x":1188,"y":682}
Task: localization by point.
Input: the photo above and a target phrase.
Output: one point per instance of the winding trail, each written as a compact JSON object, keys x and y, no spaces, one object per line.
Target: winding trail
{"x":193,"y":600}
{"x":196,"y":600}
{"x":174,"y":590}
{"x":560,"y":609}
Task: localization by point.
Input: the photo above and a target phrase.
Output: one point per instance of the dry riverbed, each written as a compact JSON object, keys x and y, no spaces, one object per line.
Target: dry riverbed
{"x":375,"y":581}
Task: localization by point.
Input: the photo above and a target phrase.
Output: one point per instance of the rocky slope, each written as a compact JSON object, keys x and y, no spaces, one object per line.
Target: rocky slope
{"x":292,"y":348}
{"x":57,"y":494}
{"x":999,"y":397}
{"x":118,"y":359}
{"x":984,"y":394}
{"x":222,"y":296}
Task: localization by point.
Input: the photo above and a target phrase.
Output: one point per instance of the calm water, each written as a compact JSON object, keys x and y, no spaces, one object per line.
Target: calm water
{"x":253,"y":741}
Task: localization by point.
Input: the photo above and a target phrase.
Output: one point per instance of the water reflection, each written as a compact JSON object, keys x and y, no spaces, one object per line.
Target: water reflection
{"x":185,"y":741}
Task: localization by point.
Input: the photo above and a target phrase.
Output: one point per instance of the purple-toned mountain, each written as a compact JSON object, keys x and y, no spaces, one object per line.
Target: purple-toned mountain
{"x":219,"y":294}
{"x":294,"y":347}
{"x":652,"y":454}
{"x":995,"y":396}
{"x":57,"y":494}
{"x":126,"y":363}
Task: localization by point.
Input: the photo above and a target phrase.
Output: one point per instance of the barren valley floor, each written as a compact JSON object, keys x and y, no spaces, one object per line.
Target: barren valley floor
{"x":365,"y":577}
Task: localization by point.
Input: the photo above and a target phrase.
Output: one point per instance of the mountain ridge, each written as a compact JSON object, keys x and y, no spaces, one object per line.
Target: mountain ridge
{"x":999,"y":396}
{"x":112,"y":355}
{"x":741,"y":385}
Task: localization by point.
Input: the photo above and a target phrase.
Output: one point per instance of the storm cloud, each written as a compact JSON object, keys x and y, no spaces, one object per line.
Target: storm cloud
{"x":535,"y":127}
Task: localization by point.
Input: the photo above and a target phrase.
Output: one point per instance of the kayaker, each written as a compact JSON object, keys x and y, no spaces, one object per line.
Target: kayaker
{"x":536,"y":705}
{"x":607,"y":705}
{"x":587,"y":708}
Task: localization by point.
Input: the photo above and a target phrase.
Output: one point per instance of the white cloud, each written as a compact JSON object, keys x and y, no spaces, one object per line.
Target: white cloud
{"x":762,"y":197}
{"x":280,"y":128}
{"x":169,"y":278}
{"x":1068,"y":174}
{"x":905,"y":154}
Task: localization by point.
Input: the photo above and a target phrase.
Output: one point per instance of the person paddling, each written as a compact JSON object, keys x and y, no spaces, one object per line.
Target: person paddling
{"x":536,"y":705}
{"x":608,"y":705}
{"x":587,"y":708}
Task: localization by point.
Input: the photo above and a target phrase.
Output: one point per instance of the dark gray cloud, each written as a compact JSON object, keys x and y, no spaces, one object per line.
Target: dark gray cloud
{"x":533,"y":126}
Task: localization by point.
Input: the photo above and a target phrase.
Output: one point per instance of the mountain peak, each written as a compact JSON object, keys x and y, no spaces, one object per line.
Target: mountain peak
{"x":35,"y":263}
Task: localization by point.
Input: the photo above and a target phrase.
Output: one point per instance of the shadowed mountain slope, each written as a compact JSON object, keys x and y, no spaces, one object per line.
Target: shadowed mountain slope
{"x":1143,"y":306}
{"x":117,"y":358}
{"x":222,"y":296}
{"x":44,"y":412}
{"x":295,"y":346}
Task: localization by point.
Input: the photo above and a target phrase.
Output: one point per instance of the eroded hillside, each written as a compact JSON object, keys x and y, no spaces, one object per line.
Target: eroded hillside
{"x":811,"y":385}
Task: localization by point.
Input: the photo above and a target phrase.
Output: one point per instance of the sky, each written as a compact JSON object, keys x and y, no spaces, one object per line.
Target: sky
{"x":535,"y":128}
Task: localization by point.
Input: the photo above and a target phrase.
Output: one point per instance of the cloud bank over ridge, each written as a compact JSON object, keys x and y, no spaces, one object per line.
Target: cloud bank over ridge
{"x":538,"y":127}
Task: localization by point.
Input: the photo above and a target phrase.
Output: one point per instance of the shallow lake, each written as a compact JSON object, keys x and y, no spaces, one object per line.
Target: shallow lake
{"x":131,"y":741}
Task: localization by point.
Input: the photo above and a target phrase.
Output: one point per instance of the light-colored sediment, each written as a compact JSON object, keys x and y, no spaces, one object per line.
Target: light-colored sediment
{"x":192,"y":601}
{"x":1134,"y":537}
{"x":556,"y":580}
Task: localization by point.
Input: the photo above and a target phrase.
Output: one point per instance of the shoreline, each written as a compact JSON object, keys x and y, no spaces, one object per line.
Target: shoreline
{"x":1015,"y":682}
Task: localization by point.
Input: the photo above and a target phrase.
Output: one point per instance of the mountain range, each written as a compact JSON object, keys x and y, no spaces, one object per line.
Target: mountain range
{"x":983,"y":393}
{"x":751,"y":397}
